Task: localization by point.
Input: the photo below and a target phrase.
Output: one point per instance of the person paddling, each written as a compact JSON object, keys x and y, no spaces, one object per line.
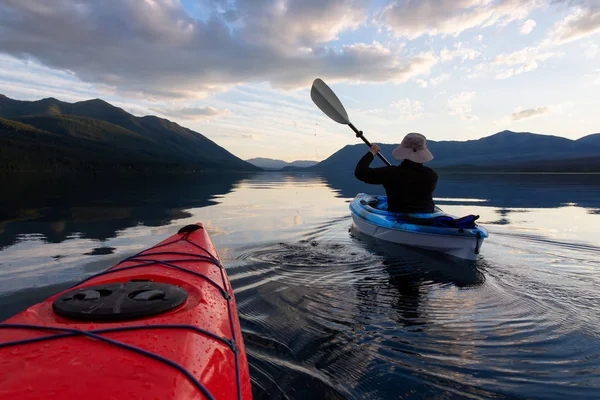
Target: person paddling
{"x":410,"y":185}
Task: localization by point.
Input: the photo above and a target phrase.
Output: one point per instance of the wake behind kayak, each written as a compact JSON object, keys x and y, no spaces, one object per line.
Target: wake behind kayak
{"x":161,"y":324}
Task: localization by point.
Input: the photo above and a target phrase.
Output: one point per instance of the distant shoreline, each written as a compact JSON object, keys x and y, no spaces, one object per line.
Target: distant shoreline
{"x":170,"y":170}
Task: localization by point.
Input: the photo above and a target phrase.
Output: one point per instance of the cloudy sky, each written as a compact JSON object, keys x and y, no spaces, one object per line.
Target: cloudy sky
{"x":240,"y":71}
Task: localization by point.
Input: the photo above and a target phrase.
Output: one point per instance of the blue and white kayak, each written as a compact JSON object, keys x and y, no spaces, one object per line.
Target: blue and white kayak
{"x":423,"y":230}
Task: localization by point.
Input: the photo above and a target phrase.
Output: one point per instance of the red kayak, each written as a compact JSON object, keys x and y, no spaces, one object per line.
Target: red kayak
{"x":162,"y":324}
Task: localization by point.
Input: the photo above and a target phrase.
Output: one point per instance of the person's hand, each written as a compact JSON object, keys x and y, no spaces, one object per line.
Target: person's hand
{"x":374,"y":149}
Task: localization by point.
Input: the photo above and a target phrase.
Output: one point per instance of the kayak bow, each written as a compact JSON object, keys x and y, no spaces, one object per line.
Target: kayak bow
{"x":162,"y":324}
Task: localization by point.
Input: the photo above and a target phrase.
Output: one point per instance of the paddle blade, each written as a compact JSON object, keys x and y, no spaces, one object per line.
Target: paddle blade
{"x":327,"y":101}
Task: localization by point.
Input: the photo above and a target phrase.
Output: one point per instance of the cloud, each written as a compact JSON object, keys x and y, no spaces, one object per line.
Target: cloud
{"x":525,"y":56}
{"x":583,"y":22}
{"x":372,"y":111}
{"x":477,"y":71}
{"x":192,"y":113}
{"x":522,"y":113}
{"x":505,"y":74}
{"x":156,"y":49}
{"x":524,"y":60}
{"x":527,"y":113}
{"x":458,"y":52}
{"x":412,"y":19}
{"x":461,"y":105}
{"x":235,"y":136}
{"x":422,"y":83}
{"x":43,"y":81}
{"x":408,"y":109}
{"x":360,"y":63}
{"x":439,"y":79}
{"x":527,"y":27}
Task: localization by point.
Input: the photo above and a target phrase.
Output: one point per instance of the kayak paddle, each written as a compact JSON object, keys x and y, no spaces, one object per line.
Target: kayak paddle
{"x":328,"y":102}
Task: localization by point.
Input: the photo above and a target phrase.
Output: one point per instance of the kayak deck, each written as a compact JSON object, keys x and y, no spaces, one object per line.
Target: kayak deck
{"x":193,"y":351}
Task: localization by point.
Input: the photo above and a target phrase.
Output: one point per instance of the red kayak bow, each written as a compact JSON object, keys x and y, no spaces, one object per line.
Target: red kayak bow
{"x":162,"y":324}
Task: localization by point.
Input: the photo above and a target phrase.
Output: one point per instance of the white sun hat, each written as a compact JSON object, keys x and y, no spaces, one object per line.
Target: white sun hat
{"x":413,"y":148}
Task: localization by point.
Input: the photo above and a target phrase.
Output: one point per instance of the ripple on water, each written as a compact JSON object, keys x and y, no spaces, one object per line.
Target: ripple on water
{"x":356,"y":318}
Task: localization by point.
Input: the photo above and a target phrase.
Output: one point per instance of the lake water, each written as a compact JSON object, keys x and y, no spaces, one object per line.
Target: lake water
{"x":329,"y":313}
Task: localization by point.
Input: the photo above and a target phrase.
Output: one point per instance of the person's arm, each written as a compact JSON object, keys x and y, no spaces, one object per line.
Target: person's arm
{"x":373,"y":176}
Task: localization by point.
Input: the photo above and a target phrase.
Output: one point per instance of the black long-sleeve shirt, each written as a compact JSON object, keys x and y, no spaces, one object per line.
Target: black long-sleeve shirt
{"x":409,"y":186}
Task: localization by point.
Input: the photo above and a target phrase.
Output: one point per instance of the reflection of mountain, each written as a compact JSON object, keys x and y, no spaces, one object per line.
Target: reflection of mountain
{"x":98,"y":208}
{"x":49,"y":135}
{"x":500,"y":190}
{"x":506,"y":151}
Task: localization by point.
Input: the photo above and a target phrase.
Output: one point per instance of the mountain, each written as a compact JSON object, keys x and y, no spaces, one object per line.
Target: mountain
{"x":592,"y":140}
{"x":303,"y":163}
{"x":505,"y":150}
{"x":269,"y":163}
{"x":508,"y":147}
{"x":49,"y":134}
{"x":586,"y":164}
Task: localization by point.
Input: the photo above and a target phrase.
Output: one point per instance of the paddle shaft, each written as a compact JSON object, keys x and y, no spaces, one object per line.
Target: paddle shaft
{"x":364,"y":139}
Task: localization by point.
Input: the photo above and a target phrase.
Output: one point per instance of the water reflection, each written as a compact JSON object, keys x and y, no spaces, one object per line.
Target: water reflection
{"x":330,"y":313}
{"x":338,"y":318}
{"x":413,"y":273}
{"x":58,"y":208}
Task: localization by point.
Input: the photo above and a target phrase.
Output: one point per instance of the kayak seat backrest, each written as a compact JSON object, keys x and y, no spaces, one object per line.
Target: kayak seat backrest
{"x":382,"y":205}
{"x":379,"y":203}
{"x":467,"y":222}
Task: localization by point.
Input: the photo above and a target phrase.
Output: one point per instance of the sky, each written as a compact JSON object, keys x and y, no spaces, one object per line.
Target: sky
{"x":240,"y":71}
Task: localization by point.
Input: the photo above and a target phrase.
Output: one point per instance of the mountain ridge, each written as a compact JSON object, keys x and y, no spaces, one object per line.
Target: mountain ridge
{"x":98,"y":134}
{"x":500,"y":150}
{"x":109,"y":136}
